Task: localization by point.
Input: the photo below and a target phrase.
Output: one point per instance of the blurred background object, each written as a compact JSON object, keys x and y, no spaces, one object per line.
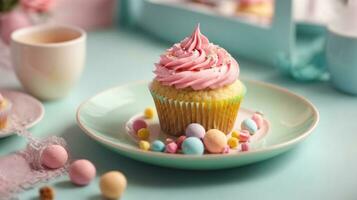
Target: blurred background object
{"x":87,"y":14}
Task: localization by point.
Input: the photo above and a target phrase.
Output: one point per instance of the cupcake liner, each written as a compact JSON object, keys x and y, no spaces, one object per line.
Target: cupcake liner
{"x":175,"y":116}
{"x":4,"y":115}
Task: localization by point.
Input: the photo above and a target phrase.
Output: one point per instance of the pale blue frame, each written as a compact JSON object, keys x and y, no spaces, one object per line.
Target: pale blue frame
{"x":238,"y":37}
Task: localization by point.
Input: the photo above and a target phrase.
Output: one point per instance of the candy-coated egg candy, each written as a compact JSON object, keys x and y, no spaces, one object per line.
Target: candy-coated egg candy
{"x":195,"y":130}
{"x":54,"y":156}
{"x":143,"y":134}
{"x":139,"y":124}
{"x":244,"y":136}
{"x":258,"y":119}
{"x":250,"y":125}
{"x":112,"y":184}
{"x":171,"y":147}
{"x":193,"y":146}
{"x":245,"y":146}
{"x":215,"y":141}
{"x":233,"y":142}
{"x":235,"y":134}
{"x":81,"y":172}
{"x":180,"y":140}
{"x":157,"y":146}
{"x":144,"y":145}
{"x":149,"y":113}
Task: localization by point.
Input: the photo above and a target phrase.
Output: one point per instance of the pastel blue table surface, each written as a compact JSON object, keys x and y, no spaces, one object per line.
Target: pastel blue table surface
{"x":322,"y":167}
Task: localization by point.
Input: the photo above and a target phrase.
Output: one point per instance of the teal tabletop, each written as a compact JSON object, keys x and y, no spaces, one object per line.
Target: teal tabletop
{"x":322,"y":167}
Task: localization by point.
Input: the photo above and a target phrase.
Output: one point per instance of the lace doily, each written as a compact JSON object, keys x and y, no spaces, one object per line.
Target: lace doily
{"x":22,"y":170}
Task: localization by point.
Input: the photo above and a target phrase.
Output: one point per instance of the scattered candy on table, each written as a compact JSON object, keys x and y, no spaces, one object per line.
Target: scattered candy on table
{"x":215,"y":141}
{"x":233,"y":142}
{"x":139,"y":124}
{"x":149,"y":113}
{"x":112,"y":184}
{"x":250,"y":125}
{"x":258,"y":119}
{"x":143,"y":134}
{"x":81,"y":172}
{"x":193,"y":146}
{"x":245,"y":146}
{"x":171,"y":147}
{"x":54,"y":156}
{"x":157,"y":146}
{"x":46,"y":193}
{"x":144,"y":145}
{"x":195,"y":130}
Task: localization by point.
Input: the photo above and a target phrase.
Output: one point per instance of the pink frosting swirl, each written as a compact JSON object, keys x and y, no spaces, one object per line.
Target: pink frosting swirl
{"x":196,"y":63}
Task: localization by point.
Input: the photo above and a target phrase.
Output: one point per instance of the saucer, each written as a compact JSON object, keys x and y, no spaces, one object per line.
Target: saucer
{"x":26,"y":111}
{"x":292,"y":118}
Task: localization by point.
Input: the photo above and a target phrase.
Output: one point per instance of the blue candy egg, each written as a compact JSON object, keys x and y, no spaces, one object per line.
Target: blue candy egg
{"x":195,"y":130}
{"x":249,"y":125}
{"x":157,"y":146}
{"x":192,"y":146}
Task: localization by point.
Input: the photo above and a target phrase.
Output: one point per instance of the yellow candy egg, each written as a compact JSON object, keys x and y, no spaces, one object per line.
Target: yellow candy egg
{"x":149,"y":113}
{"x":144,"y":145}
{"x":112,"y":184}
{"x":143,"y":134}
{"x":235,"y":134}
{"x":233,"y":142}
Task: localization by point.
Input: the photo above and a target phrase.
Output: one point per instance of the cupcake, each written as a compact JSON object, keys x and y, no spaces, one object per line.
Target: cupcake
{"x":196,"y":82}
{"x":258,"y":8}
{"x":5,"y":107}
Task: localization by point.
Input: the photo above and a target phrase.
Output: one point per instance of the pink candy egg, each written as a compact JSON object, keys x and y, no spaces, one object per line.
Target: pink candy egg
{"x":81,"y":172}
{"x":171,"y":148}
{"x":54,"y":156}
{"x":139,"y":124}
{"x":258,"y":119}
{"x":244,"y":136}
{"x":245,"y":146}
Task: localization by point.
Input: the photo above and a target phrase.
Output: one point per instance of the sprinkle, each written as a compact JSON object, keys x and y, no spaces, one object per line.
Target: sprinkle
{"x":235,"y":134}
{"x":180,"y":140}
{"x":244,"y":136}
{"x":233,"y":142}
{"x":144,"y":145}
{"x":149,"y":113}
{"x":250,"y":125}
{"x":226,"y":150}
{"x":157,"y":146}
{"x":171,"y":148}
{"x":245,"y":146}
{"x":143,"y":134}
{"x":258,"y":119}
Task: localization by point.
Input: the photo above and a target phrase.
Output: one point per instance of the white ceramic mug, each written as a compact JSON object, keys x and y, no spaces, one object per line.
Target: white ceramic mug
{"x":48,"y":59}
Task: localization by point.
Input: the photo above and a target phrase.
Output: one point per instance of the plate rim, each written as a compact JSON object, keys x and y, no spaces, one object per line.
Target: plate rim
{"x":123,"y":148}
{"x":29,"y":125}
